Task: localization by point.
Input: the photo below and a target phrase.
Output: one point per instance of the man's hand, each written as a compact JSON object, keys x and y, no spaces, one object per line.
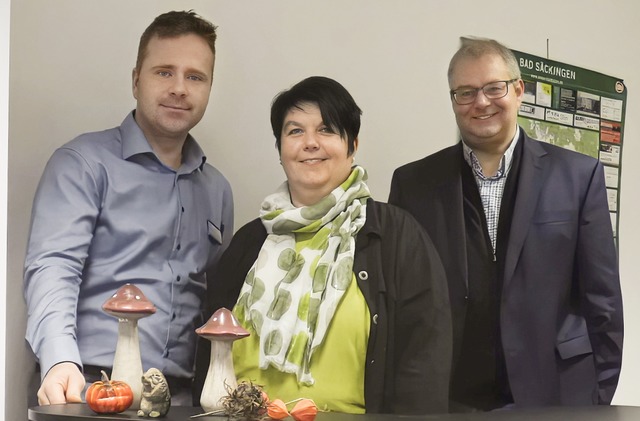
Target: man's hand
{"x":62,"y":384}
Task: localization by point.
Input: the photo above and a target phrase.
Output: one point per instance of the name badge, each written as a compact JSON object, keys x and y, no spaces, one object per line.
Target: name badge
{"x":214,"y":233}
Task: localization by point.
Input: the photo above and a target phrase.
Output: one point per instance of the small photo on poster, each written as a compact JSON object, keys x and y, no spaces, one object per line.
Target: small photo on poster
{"x":612,"y":199}
{"x":529,"y":94}
{"x":614,"y":223}
{"x":559,"y":117}
{"x":585,"y":122}
{"x":610,"y":131}
{"x":572,"y":138}
{"x":567,"y":100}
{"x":612,"y":109}
{"x":532,"y":111}
{"x":588,"y":104}
{"x":610,"y":154}
{"x":611,"y":177}
{"x":543,"y":94}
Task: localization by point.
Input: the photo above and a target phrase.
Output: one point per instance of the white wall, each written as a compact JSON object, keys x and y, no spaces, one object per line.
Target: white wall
{"x":4,"y":142}
{"x":71,"y":62}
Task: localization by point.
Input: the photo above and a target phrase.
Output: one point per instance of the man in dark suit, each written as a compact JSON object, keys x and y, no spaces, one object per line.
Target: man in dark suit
{"x":524,"y":232}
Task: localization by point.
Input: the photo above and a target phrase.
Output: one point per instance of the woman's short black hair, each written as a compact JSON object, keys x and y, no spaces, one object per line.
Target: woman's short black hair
{"x":337,"y":107}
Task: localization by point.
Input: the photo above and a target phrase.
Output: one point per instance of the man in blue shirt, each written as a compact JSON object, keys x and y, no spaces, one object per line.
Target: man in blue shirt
{"x":134,"y":204}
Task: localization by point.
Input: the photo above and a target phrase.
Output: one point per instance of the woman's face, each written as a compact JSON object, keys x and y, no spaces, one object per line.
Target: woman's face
{"x":313,"y":156}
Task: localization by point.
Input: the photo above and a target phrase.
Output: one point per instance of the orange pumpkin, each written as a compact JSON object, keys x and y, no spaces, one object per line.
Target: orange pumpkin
{"x":109,"y":396}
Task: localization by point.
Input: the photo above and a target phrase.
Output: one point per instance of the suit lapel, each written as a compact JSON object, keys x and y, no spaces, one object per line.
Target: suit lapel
{"x":451,"y":201}
{"x":531,"y":179}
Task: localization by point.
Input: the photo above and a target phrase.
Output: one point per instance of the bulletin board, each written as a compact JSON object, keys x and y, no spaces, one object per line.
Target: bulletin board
{"x":577,"y":109}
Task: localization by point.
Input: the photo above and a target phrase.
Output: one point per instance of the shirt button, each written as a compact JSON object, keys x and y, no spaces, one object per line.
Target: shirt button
{"x":178,"y":248}
{"x":363,"y":275}
{"x":375,"y":319}
{"x":173,"y":316}
{"x":183,"y":209}
{"x":178,"y":279}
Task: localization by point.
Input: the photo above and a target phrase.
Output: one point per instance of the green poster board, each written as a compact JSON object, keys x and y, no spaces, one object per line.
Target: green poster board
{"x":577,"y":109}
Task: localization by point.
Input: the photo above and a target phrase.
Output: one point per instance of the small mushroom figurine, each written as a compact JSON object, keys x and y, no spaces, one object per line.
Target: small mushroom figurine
{"x":129,"y":305}
{"x":221,"y":329}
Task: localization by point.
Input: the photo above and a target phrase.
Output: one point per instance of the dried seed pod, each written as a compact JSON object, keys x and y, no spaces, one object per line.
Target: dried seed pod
{"x":277,"y":410}
{"x":304,"y":410}
{"x":247,"y":401}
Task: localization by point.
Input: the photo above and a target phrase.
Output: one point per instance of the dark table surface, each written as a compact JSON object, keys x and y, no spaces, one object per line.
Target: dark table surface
{"x":81,"y":412}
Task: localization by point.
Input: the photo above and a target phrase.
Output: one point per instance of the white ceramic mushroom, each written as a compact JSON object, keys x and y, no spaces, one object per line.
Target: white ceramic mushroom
{"x":129,"y":305}
{"x":221,"y":329}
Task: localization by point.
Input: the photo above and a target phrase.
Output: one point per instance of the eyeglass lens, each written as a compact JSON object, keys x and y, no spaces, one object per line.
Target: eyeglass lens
{"x":493,"y":90}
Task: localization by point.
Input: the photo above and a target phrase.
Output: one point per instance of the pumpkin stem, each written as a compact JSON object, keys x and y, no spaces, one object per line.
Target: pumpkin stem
{"x":105,"y":378}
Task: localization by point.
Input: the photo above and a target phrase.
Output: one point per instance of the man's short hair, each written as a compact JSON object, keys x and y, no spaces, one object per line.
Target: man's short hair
{"x":174,"y":24}
{"x":478,"y":47}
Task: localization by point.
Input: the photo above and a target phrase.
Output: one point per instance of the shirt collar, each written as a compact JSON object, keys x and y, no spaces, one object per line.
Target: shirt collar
{"x":134,"y":142}
{"x":193,"y":156}
{"x":505,"y":162}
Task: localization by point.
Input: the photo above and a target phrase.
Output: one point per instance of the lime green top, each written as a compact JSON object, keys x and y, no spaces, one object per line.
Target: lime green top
{"x":337,"y":365}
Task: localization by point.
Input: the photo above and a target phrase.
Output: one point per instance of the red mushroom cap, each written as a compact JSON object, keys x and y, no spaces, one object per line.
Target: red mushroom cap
{"x":222,"y":325}
{"x":129,"y":301}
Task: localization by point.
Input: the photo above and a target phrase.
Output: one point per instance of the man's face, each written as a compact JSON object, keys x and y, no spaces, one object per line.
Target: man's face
{"x":486,"y":124}
{"x":172,"y":86}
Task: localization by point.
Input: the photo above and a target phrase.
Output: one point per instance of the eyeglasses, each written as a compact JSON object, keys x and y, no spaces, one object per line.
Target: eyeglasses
{"x":493,"y":90}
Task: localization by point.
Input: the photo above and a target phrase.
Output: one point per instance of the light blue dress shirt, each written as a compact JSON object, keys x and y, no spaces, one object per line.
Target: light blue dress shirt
{"x":107,"y":212}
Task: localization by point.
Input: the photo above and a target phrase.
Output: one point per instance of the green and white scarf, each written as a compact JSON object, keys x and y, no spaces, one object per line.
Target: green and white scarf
{"x":289,"y":298}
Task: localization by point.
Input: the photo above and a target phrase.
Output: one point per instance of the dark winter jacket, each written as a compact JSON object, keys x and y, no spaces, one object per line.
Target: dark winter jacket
{"x":403,"y":282}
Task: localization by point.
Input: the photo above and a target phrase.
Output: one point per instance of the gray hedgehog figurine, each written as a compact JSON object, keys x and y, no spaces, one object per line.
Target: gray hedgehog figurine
{"x":156,"y":398}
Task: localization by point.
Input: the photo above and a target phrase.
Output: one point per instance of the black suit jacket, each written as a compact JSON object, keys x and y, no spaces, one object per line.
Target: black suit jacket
{"x":561,"y":309}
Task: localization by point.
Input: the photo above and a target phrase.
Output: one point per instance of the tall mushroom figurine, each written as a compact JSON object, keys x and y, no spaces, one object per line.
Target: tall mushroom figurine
{"x":221,"y":329}
{"x":129,"y":305}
